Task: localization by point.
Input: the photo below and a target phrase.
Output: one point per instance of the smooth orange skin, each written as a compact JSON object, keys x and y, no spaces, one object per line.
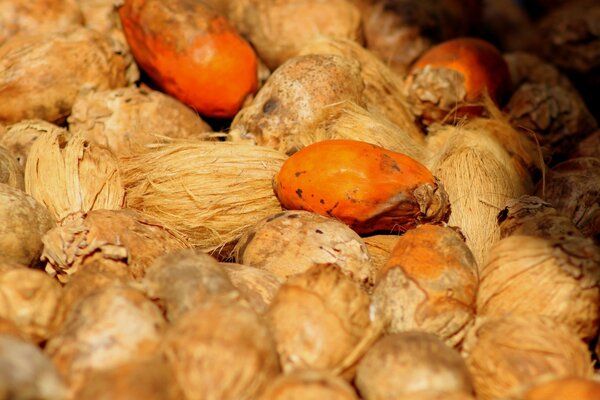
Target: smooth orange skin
{"x":565,"y":388}
{"x":355,"y":182}
{"x":212,"y":71}
{"x":481,"y":64}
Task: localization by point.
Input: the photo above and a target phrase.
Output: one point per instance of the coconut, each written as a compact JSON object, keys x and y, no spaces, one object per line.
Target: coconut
{"x":435,"y":395}
{"x":19,"y":137}
{"x":291,"y":242}
{"x":27,"y":373}
{"x":11,"y":172}
{"x":122,"y":118}
{"x":588,"y":147}
{"x":308,"y":385}
{"x":182,"y":279}
{"x":380,"y":247}
{"x":24,"y":222}
{"x":384,"y":91}
{"x":221,"y":350}
{"x":572,"y":188}
{"x":554,"y":276}
{"x":479,"y":176}
{"x":123,"y":242}
{"x":405,"y":363}
{"x":428,"y":284}
{"x":210,"y":192}
{"x":60,"y":65}
{"x":297,"y":96}
{"x":526,"y":67}
{"x":69,"y":174}
{"x":279,"y":29}
{"x":106,"y":329}
{"x":564,"y":388}
{"x":256,"y":285}
{"x":319,"y":318}
{"x":505,"y":354}
{"x":18,"y":17}
{"x":30,"y":298}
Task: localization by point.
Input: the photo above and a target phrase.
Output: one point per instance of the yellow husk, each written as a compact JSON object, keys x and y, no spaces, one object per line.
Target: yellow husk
{"x":209,"y":192}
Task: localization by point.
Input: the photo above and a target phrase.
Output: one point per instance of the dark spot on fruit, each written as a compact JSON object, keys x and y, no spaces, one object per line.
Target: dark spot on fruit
{"x":389,"y":164}
{"x":299,"y":193}
{"x":292,"y":216}
{"x":297,"y":174}
{"x":318,"y":231}
{"x":322,"y":201}
{"x":330,"y":211}
{"x":270,"y":105}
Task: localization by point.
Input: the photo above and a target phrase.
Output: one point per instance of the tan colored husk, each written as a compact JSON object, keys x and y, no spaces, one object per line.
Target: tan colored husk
{"x":291,"y":242}
{"x":410,"y":362}
{"x":11,"y":172}
{"x":308,"y":385}
{"x":182,"y":279}
{"x":556,"y":277}
{"x":564,"y":388}
{"x":124,"y":118}
{"x":59,"y":65}
{"x":10,"y":329}
{"x":27,"y":373}
{"x":279,"y":29}
{"x":383,"y":93}
{"x":69,"y":174}
{"x":351,"y":121}
{"x":429,"y":284}
{"x":296,"y":97}
{"x":24,"y":222}
{"x":106,"y":329}
{"x":221,"y":351}
{"x":210,"y":192}
{"x":123,"y":242}
{"x":256,"y":285}
{"x":380,"y":247}
{"x":435,"y":395}
{"x":19,"y":137}
{"x":318,"y":318}
{"x":149,"y":379}
{"x":33,"y":17}
{"x":29,"y":298}
{"x":506,"y":354}
{"x":479,"y":176}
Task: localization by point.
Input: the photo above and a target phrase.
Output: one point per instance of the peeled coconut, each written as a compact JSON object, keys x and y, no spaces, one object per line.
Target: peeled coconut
{"x":308,"y":385}
{"x":11,"y":172}
{"x":256,"y":285}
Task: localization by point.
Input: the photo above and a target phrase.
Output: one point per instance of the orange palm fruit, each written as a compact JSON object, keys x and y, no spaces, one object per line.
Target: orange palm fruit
{"x":192,"y":53}
{"x":365,"y":186}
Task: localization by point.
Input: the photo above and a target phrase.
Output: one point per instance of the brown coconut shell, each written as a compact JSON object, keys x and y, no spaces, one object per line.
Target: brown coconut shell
{"x":258,"y":286}
{"x":526,"y":67}
{"x":221,"y":350}
{"x":318,"y":319}
{"x":308,"y":385}
{"x":506,"y":354}
{"x":297,"y":96}
{"x":407,"y":363}
{"x":209,"y":192}
{"x":61,"y":65}
{"x":24,"y":222}
{"x":38,"y":17}
{"x":572,"y":188}
{"x":123,"y":242}
{"x":588,"y":147}
{"x":124,"y":118}
{"x":279,"y":29}
{"x":107,"y":329}
{"x":11,"y":172}
{"x":27,"y":373}
{"x":68,"y":174}
{"x":380,"y":247}
{"x":291,"y":242}
{"x":564,"y":388}
{"x":556,"y":277}
{"x":182,"y":279}
{"x":429,"y":284}
{"x":19,"y":137}
{"x":30,"y":298}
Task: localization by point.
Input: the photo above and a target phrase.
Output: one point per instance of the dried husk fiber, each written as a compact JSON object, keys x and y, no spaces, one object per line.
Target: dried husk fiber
{"x":558,"y":277}
{"x":506,"y":354}
{"x":11,"y":172}
{"x":210,"y":192}
{"x":68,"y":173}
{"x":19,"y":137}
{"x":308,"y":385}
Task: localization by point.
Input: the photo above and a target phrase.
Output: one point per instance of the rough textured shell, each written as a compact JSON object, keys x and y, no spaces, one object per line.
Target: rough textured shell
{"x":11,"y":172}
{"x":308,"y":385}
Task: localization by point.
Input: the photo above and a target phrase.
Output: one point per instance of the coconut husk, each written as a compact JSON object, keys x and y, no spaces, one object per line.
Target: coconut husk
{"x":124,"y":118}
{"x":123,"y":242}
{"x":404,"y":363}
{"x":480,"y":175}
{"x":11,"y":172}
{"x":506,"y":354}
{"x":526,"y":67}
{"x":308,"y":385}
{"x":221,"y":350}
{"x":383,"y":93}
{"x":557,"y":277}
{"x":209,"y":192}
{"x":69,"y":174}
{"x":24,"y":222}
{"x":588,"y":147}
{"x":19,"y":137}
{"x":380,"y":247}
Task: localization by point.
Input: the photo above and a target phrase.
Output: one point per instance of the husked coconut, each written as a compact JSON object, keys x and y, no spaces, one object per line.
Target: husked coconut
{"x":256,"y":285}
{"x":308,"y":385}
{"x":11,"y":172}
{"x":20,"y":136}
